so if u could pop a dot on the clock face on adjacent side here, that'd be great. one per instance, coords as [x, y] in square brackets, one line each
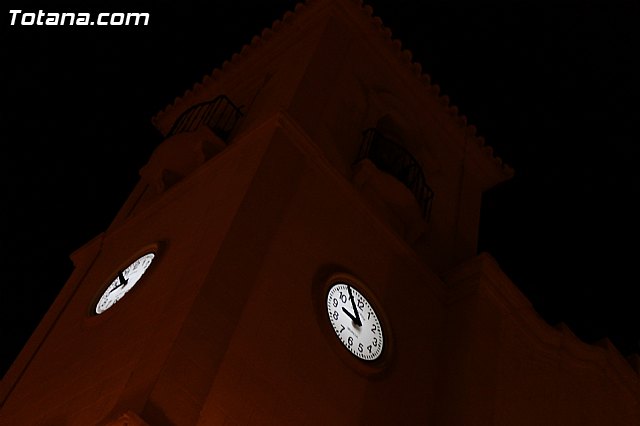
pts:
[355, 321]
[123, 282]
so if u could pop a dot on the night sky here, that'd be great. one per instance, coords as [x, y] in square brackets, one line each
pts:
[553, 89]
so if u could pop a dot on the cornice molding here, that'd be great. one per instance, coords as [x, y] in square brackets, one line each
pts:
[482, 276]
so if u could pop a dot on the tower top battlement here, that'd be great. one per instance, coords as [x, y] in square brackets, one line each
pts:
[296, 21]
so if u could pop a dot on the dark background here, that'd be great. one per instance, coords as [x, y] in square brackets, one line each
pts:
[553, 88]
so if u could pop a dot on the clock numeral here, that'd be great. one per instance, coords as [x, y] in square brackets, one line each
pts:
[360, 304]
[335, 302]
[369, 315]
[342, 329]
[375, 341]
[343, 297]
[360, 347]
[350, 341]
[374, 328]
[369, 347]
[335, 315]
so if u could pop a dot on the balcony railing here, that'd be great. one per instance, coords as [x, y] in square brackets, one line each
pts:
[395, 160]
[219, 114]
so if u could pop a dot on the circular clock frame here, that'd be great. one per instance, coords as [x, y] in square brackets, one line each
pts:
[122, 290]
[355, 321]
[322, 287]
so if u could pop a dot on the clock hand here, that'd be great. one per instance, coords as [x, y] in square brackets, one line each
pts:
[123, 281]
[353, 303]
[350, 315]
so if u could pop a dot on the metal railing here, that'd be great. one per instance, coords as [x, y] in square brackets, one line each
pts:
[220, 115]
[395, 160]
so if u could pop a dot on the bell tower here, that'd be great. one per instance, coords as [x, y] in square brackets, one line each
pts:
[310, 209]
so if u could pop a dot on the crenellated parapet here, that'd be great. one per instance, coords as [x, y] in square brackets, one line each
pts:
[404, 57]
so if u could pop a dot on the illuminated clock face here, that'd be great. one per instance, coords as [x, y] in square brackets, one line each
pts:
[355, 322]
[123, 282]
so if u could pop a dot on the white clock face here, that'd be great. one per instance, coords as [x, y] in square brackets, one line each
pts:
[354, 321]
[123, 282]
